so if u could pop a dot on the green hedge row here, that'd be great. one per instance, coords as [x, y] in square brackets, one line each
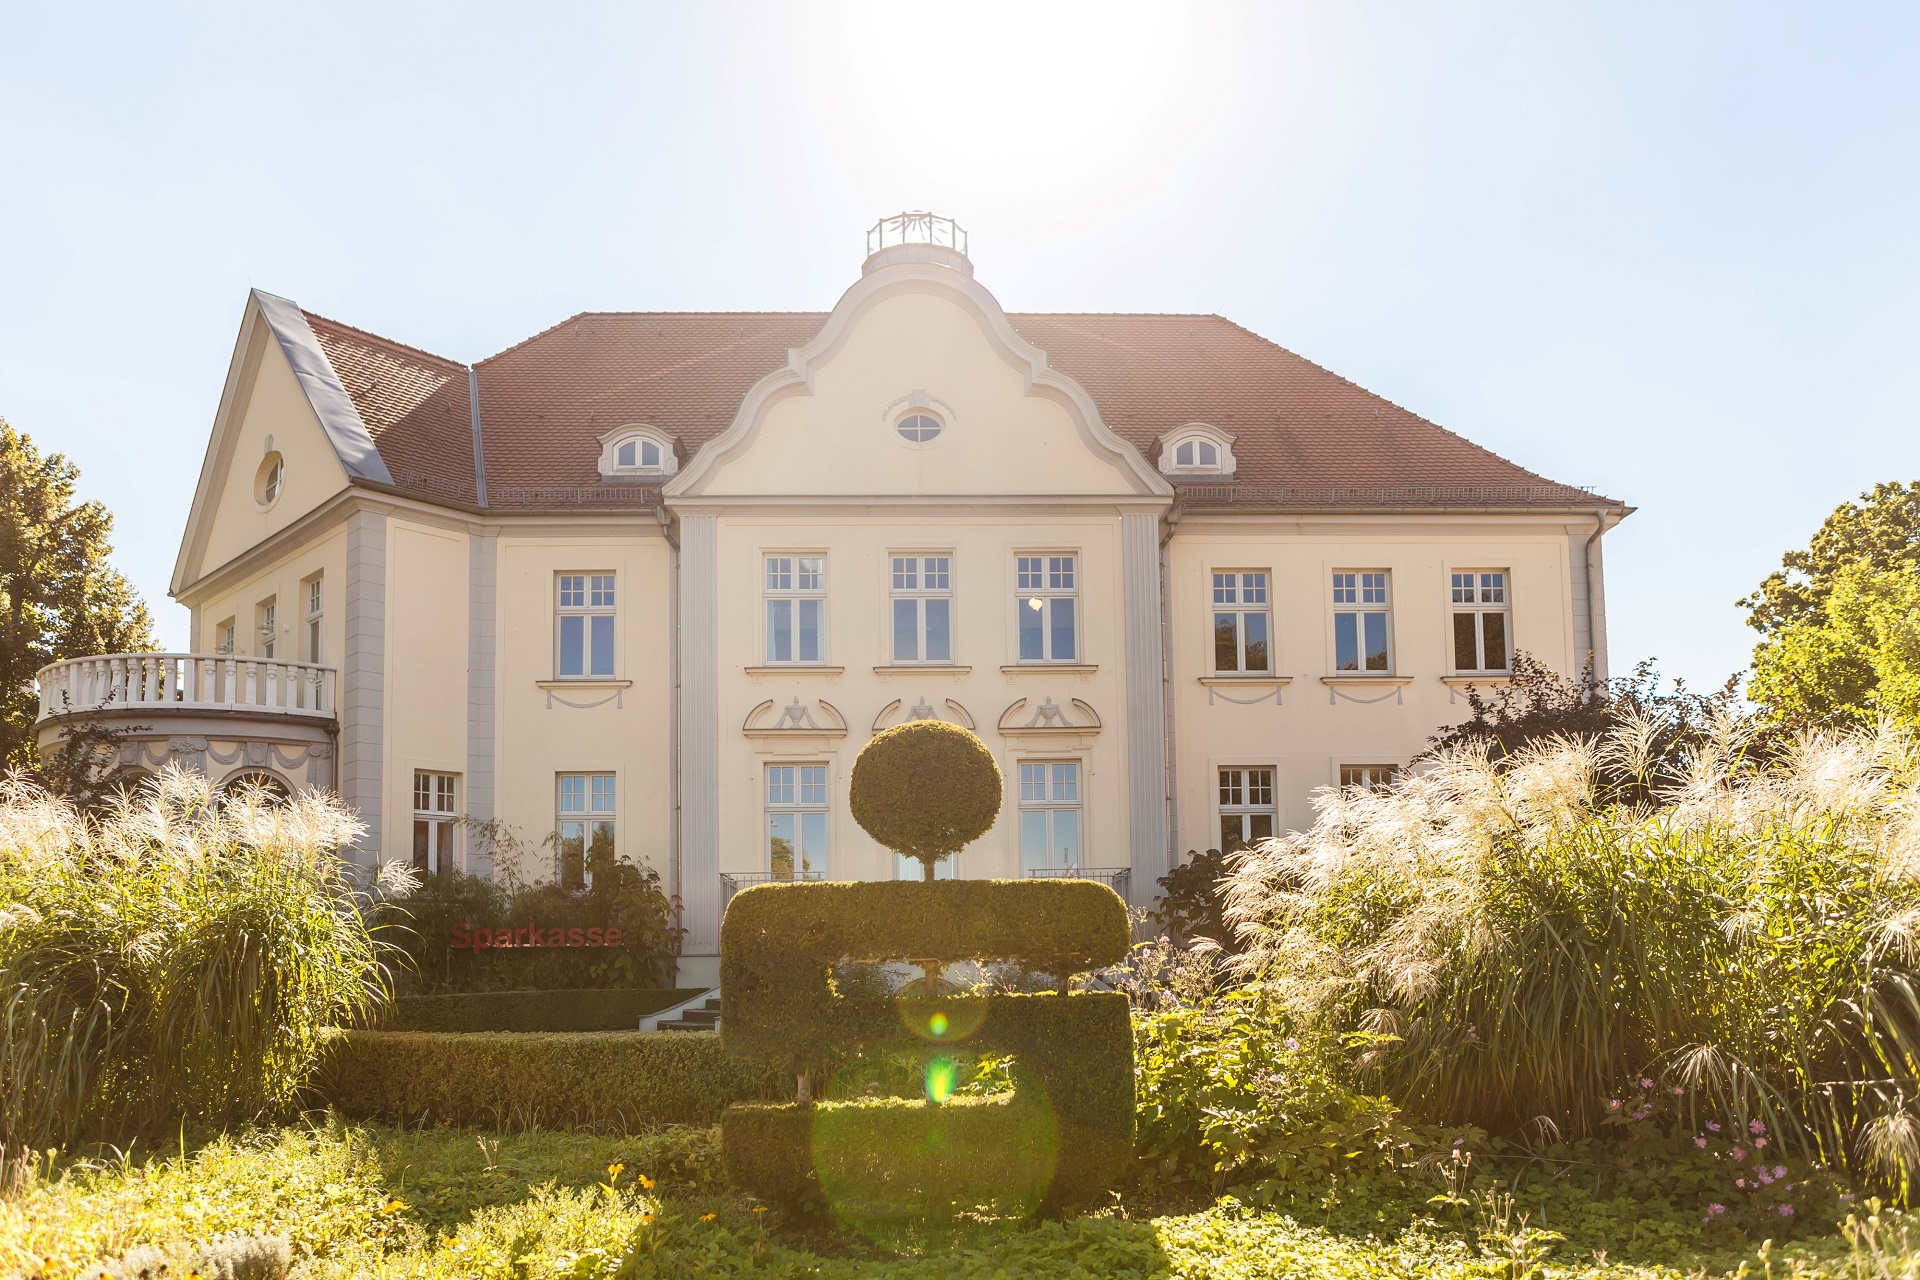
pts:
[603, 1079]
[583, 1009]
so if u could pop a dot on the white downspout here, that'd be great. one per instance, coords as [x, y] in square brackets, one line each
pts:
[1166, 688]
[1593, 595]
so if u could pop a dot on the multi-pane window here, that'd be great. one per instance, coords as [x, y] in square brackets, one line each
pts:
[797, 821]
[1049, 816]
[1480, 637]
[225, 636]
[1360, 631]
[583, 624]
[316, 607]
[1241, 624]
[1047, 603]
[1196, 453]
[1374, 777]
[435, 810]
[796, 608]
[905, 868]
[585, 827]
[637, 453]
[1246, 807]
[922, 589]
[267, 623]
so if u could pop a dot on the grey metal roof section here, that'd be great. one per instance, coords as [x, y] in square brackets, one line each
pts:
[331, 404]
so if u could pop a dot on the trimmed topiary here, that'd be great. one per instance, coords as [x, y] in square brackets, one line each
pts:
[926, 789]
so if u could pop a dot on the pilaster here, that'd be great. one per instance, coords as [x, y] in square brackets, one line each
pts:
[482, 650]
[1146, 703]
[700, 734]
[363, 676]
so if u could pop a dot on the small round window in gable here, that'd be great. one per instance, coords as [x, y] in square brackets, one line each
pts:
[918, 427]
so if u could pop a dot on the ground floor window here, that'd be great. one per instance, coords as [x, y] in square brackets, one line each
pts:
[436, 807]
[1374, 777]
[1049, 816]
[905, 868]
[797, 821]
[1246, 807]
[585, 830]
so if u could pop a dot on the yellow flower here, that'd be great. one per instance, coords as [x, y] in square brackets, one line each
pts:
[708, 1217]
[646, 1183]
[394, 1205]
[613, 1170]
[759, 1208]
[646, 1219]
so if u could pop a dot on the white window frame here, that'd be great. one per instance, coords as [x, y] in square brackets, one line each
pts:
[642, 439]
[592, 805]
[226, 636]
[1041, 793]
[1241, 594]
[799, 793]
[794, 579]
[1244, 794]
[1474, 596]
[314, 595]
[922, 580]
[436, 822]
[589, 595]
[1362, 594]
[1042, 581]
[1371, 777]
[266, 626]
[1190, 437]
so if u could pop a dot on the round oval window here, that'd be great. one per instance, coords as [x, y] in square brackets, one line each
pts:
[918, 427]
[266, 481]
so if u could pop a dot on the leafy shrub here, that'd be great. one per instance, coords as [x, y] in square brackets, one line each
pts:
[589, 1009]
[623, 896]
[175, 960]
[1192, 901]
[1525, 951]
[619, 1080]
[926, 789]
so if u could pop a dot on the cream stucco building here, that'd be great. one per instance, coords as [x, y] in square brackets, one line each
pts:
[653, 579]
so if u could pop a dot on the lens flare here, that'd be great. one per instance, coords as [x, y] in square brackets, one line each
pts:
[941, 1076]
[937, 1024]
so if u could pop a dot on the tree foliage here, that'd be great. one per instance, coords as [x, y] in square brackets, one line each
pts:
[926, 789]
[1539, 705]
[59, 598]
[1881, 531]
[1854, 661]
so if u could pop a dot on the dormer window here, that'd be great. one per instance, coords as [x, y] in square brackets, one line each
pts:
[636, 450]
[1198, 448]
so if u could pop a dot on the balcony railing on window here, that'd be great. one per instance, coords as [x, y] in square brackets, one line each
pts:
[732, 882]
[1119, 879]
[917, 227]
[185, 682]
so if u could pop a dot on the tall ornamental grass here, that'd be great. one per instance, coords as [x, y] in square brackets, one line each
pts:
[173, 960]
[1750, 938]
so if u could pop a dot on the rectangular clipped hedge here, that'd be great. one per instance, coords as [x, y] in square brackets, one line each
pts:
[624, 1080]
[585, 1009]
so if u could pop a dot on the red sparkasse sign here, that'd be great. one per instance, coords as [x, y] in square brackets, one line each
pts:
[471, 937]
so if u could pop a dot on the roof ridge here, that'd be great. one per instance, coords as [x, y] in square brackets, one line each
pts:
[380, 337]
[1418, 417]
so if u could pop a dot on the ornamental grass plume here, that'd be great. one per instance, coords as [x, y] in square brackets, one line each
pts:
[177, 958]
[1751, 936]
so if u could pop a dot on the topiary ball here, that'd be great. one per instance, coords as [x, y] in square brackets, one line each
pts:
[926, 789]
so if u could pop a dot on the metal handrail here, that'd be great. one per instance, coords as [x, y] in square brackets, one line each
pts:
[732, 882]
[917, 227]
[1119, 879]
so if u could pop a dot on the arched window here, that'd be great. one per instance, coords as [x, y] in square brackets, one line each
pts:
[271, 787]
[1198, 448]
[637, 450]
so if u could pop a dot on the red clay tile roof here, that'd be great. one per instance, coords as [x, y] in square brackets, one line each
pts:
[1304, 437]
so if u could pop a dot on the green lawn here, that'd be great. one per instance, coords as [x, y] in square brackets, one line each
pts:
[450, 1202]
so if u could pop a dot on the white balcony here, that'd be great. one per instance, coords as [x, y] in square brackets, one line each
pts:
[186, 682]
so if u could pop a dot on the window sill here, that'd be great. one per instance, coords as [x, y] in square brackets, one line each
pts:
[1490, 677]
[1364, 682]
[584, 682]
[795, 669]
[921, 669]
[1069, 668]
[1248, 680]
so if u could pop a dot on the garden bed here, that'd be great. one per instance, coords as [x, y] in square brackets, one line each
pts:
[580, 1009]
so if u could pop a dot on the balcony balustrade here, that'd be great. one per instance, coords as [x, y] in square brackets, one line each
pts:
[156, 682]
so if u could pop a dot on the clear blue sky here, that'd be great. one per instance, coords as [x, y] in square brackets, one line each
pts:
[1666, 250]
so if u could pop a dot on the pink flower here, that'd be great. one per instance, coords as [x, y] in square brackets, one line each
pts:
[1645, 1083]
[1715, 1210]
[1738, 1153]
[1779, 1171]
[1700, 1142]
[1759, 1143]
[1679, 1092]
[1764, 1177]
[1740, 1182]
[1754, 1126]
[1713, 1126]
[1613, 1105]
[1786, 1211]
[1293, 1046]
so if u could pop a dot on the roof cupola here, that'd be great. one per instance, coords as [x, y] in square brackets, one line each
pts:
[917, 237]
